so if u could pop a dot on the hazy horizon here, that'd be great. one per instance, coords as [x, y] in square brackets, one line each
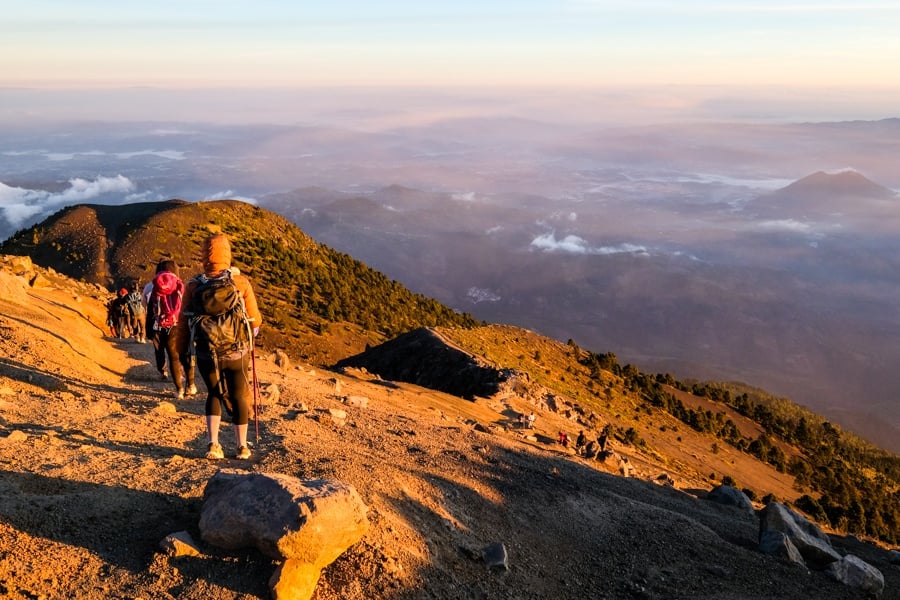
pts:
[376, 108]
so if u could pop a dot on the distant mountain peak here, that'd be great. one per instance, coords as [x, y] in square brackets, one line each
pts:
[845, 183]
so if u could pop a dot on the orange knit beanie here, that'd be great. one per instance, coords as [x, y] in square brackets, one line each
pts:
[216, 253]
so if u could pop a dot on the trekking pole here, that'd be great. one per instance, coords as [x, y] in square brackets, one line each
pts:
[255, 390]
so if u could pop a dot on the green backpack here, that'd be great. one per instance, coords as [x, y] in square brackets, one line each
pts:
[218, 321]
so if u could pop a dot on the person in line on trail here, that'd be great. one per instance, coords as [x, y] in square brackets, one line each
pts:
[531, 420]
[111, 317]
[164, 297]
[563, 439]
[590, 451]
[580, 441]
[137, 314]
[604, 436]
[120, 314]
[220, 319]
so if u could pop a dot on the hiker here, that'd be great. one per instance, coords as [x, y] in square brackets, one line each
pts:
[119, 313]
[225, 369]
[164, 296]
[137, 314]
[590, 451]
[111, 317]
[604, 435]
[580, 441]
[531, 420]
[563, 439]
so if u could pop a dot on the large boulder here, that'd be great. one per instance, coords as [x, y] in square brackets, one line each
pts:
[731, 496]
[857, 573]
[12, 288]
[307, 524]
[813, 544]
[282, 516]
[776, 543]
[17, 265]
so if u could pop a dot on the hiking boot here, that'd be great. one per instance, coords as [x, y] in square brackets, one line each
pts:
[215, 452]
[243, 453]
[163, 376]
[179, 394]
[192, 390]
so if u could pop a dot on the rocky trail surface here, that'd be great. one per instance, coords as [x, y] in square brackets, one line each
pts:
[99, 463]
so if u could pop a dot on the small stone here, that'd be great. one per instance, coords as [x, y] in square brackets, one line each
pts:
[495, 556]
[357, 401]
[180, 544]
[166, 408]
[15, 437]
[282, 360]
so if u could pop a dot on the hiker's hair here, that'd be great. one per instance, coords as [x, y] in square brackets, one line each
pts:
[167, 265]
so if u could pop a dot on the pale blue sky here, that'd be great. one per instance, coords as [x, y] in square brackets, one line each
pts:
[263, 43]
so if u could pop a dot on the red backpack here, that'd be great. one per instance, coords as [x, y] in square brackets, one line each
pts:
[165, 300]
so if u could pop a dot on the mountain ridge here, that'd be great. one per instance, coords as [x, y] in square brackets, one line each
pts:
[313, 312]
[848, 182]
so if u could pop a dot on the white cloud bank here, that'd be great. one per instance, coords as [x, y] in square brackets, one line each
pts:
[64, 156]
[573, 244]
[786, 225]
[477, 295]
[20, 204]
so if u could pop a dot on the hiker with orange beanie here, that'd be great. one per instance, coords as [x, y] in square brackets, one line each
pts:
[225, 370]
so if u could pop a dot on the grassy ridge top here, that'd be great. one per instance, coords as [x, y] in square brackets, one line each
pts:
[317, 303]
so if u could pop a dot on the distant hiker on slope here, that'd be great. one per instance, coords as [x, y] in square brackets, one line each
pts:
[604, 436]
[119, 313]
[137, 313]
[111, 317]
[580, 441]
[164, 297]
[219, 320]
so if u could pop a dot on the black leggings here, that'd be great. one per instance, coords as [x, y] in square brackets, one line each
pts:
[236, 394]
[164, 349]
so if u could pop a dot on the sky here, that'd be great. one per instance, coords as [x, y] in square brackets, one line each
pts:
[282, 43]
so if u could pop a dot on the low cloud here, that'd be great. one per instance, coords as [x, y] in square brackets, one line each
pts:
[169, 154]
[64, 156]
[786, 225]
[464, 196]
[20, 204]
[573, 244]
[84, 189]
[477, 295]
